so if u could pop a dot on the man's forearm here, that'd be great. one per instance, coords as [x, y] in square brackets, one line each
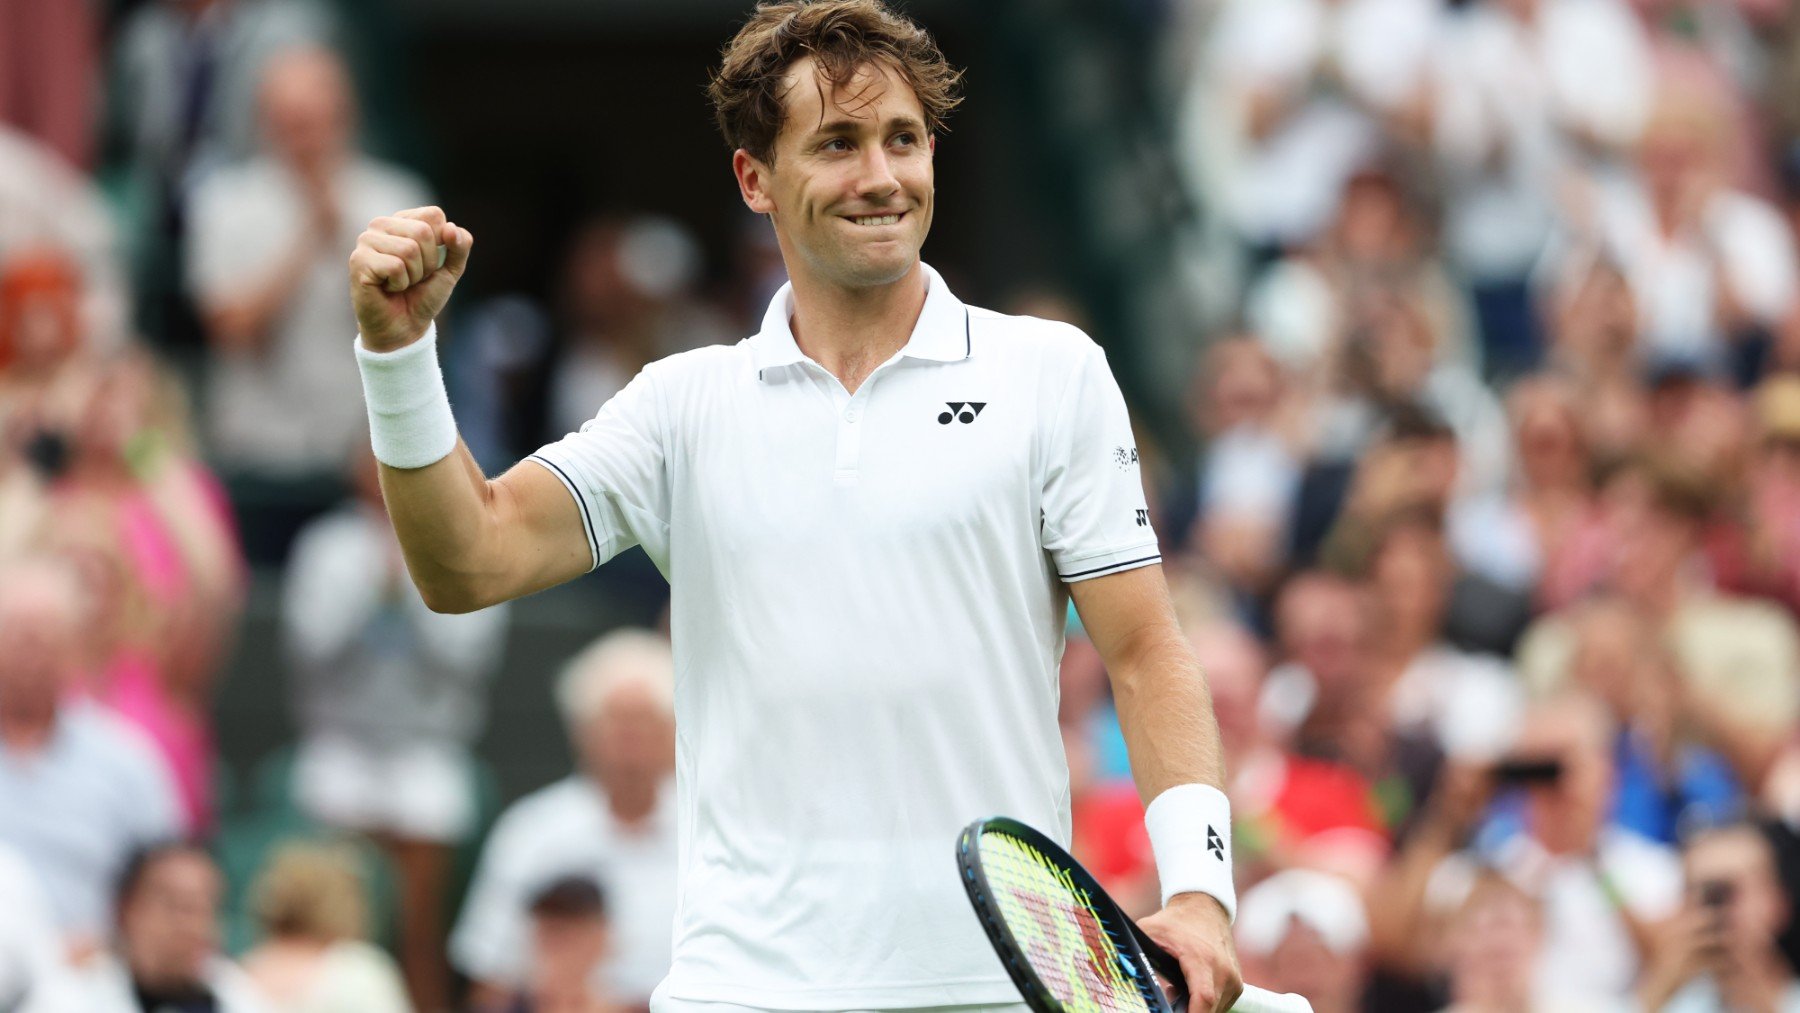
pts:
[441, 513]
[1165, 711]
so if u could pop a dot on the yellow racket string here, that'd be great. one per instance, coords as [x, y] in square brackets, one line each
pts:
[1055, 923]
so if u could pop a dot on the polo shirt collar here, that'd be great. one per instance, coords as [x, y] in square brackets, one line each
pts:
[941, 334]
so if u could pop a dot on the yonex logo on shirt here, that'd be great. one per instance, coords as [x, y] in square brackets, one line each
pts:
[961, 411]
[1143, 518]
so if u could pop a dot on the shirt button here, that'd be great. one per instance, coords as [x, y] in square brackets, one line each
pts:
[852, 415]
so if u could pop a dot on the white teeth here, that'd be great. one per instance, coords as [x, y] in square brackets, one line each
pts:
[877, 220]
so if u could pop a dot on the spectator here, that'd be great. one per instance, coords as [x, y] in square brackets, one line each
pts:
[1493, 939]
[613, 820]
[1524, 89]
[1714, 269]
[314, 958]
[1739, 660]
[168, 935]
[1721, 951]
[569, 942]
[628, 298]
[1304, 932]
[1603, 888]
[81, 790]
[47, 205]
[388, 693]
[182, 103]
[283, 414]
[155, 539]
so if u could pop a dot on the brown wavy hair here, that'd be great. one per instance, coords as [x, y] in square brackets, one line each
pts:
[843, 36]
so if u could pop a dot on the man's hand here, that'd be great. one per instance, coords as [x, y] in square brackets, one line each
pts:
[396, 285]
[1196, 932]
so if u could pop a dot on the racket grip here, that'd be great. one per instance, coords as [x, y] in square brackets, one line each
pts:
[1258, 1000]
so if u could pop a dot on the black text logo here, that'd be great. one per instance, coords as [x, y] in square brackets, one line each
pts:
[1143, 518]
[961, 411]
[1214, 844]
[1125, 457]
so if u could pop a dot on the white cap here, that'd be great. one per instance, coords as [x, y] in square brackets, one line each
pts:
[1327, 904]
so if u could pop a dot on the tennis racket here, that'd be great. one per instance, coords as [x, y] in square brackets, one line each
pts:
[1066, 944]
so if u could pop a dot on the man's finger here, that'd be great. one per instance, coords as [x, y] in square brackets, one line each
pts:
[420, 232]
[377, 270]
[460, 242]
[407, 250]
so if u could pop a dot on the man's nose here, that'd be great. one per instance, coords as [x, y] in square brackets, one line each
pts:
[878, 179]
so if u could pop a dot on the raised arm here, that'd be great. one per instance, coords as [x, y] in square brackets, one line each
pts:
[469, 541]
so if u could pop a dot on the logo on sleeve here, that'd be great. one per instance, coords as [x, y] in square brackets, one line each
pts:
[1213, 844]
[1125, 457]
[961, 411]
[1143, 518]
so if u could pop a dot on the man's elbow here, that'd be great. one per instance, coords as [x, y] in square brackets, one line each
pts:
[452, 597]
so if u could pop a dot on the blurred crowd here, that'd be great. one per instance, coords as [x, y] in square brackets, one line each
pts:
[1491, 551]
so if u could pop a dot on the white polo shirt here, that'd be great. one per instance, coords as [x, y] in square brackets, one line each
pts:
[868, 615]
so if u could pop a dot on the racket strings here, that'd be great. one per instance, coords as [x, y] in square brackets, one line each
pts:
[1054, 921]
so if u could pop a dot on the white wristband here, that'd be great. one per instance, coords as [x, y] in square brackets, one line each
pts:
[410, 425]
[1190, 835]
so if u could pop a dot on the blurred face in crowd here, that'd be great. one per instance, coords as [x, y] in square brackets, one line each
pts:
[1494, 940]
[1243, 385]
[566, 947]
[1736, 867]
[40, 614]
[1654, 542]
[40, 320]
[169, 923]
[1305, 964]
[1547, 434]
[307, 110]
[1411, 579]
[1372, 225]
[628, 745]
[1576, 732]
[850, 185]
[1596, 321]
[1677, 151]
[1611, 653]
[1234, 666]
[1321, 624]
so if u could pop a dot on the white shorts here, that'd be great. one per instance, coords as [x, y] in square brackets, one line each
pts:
[417, 791]
[663, 1003]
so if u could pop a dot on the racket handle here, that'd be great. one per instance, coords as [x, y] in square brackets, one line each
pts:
[1257, 1000]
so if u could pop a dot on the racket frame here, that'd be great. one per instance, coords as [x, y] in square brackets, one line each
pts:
[1147, 958]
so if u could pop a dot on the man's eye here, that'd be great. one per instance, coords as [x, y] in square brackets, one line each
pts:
[835, 144]
[906, 139]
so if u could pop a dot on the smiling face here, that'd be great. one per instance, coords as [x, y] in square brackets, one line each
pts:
[849, 181]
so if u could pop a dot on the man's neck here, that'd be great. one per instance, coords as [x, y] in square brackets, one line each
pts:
[852, 331]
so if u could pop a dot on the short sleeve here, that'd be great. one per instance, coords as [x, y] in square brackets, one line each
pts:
[614, 467]
[1095, 518]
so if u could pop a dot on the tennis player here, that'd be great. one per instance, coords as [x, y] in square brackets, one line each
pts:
[872, 514]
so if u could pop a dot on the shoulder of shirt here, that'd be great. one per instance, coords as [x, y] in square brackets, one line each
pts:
[376, 173]
[103, 733]
[1049, 340]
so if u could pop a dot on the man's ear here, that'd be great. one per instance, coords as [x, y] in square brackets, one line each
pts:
[753, 181]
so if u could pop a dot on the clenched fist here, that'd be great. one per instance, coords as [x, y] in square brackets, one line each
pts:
[401, 274]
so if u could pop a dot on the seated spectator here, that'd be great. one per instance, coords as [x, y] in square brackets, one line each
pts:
[569, 942]
[315, 956]
[1721, 951]
[1250, 471]
[153, 534]
[283, 413]
[1739, 659]
[80, 789]
[388, 692]
[613, 820]
[168, 937]
[1714, 269]
[1305, 932]
[1491, 943]
[1760, 553]
[1603, 888]
[46, 204]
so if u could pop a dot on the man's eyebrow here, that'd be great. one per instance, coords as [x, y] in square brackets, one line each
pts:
[845, 125]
